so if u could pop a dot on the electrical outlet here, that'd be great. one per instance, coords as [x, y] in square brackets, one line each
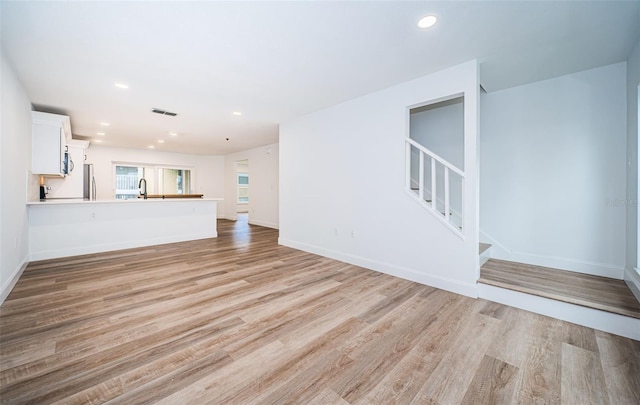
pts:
[353, 233]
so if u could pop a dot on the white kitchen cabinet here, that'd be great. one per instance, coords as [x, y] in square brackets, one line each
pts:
[50, 135]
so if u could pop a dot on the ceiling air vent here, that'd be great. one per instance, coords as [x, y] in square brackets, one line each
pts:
[163, 112]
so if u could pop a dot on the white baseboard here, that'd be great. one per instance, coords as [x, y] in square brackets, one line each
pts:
[11, 282]
[593, 318]
[501, 252]
[109, 247]
[632, 278]
[455, 286]
[264, 223]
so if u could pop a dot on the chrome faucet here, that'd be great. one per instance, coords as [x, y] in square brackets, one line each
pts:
[143, 187]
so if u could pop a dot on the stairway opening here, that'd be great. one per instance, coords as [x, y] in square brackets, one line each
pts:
[242, 187]
[435, 158]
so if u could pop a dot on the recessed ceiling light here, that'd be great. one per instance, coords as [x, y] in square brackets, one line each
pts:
[105, 124]
[427, 21]
[100, 133]
[173, 133]
[160, 140]
[97, 140]
[151, 147]
[237, 113]
[121, 85]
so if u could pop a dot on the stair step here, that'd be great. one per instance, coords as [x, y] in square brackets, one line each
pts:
[602, 293]
[483, 247]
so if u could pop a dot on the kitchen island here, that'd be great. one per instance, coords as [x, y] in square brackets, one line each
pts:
[62, 228]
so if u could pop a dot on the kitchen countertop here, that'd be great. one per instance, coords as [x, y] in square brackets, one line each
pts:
[166, 196]
[61, 228]
[130, 201]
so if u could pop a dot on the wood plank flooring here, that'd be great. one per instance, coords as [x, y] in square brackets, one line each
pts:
[602, 293]
[241, 320]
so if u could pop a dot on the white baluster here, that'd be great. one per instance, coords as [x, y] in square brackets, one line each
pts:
[433, 184]
[408, 168]
[447, 213]
[461, 204]
[421, 177]
[423, 190]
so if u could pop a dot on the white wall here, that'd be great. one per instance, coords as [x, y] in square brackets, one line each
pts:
[207, 171]
[553, 171]
[342, 179]
[263, 165]
[632, 275]
[15, 150]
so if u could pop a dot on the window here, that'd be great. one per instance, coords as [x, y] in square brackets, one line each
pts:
[160, 180]
[174, 181]
[243, 188]
[127, 180]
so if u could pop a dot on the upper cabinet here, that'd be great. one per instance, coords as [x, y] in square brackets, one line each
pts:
[51, 133]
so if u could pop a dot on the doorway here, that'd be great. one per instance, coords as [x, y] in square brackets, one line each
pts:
[242, 188]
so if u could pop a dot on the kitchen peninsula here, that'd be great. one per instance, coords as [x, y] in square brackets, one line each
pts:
[61, 228]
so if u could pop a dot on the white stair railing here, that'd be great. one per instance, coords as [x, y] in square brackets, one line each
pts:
[425, 170]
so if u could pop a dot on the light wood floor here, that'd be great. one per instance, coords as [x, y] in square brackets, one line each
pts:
[241, 320]
[582, 289]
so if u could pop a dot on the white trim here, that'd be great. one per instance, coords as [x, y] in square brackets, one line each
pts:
[13, 279]
[593, 318]
[456, 213]
[266, 224]
[459, 233]
[488, 239]
[455, 286]
[484, 257]
[108, 247]
[632, 278]
[501, 252]
[435, 157]
[637, 159]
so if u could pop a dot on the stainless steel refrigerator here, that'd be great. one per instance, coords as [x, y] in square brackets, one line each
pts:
[89, 183]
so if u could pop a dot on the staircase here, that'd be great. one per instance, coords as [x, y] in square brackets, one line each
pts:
[596, 302]
[584, 299]
[436, 184]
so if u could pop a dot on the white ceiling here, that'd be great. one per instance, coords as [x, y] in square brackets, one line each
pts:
[274, 61]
